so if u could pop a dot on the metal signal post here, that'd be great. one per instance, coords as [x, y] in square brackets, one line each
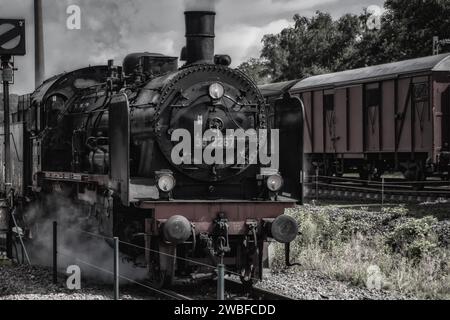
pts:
[12, 43]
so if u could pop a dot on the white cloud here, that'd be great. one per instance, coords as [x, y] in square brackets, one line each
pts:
[113, 28]
[249, 39]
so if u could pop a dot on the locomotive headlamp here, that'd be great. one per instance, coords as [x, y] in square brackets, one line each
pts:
[275, 182]
[166, 182]
[216, 91]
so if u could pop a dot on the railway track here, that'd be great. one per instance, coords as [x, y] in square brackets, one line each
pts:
[394, 190]
[234, 291]
[253, 293]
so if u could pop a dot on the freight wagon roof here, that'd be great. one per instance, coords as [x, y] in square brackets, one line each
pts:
[384, 71]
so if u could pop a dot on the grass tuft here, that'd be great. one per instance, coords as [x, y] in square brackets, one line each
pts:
[388, 250]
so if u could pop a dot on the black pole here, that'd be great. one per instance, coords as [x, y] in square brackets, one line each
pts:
[6, 78]
[116, 269]
[39, 43]
[287, 256]
[55, 252]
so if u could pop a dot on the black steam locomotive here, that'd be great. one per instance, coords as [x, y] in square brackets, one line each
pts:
[103, 136]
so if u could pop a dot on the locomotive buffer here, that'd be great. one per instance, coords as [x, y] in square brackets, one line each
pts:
[12, 43]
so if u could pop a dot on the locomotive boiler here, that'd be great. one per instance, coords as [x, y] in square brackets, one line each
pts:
[131, 146]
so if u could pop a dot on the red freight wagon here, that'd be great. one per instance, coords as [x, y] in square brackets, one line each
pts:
[393, 116]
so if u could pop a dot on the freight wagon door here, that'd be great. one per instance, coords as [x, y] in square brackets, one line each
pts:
[289, 116]
[445, 105]
[421, 115]
[372, 116]
[329, 114]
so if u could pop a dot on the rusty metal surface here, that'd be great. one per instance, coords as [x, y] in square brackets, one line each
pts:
[318, 123]
[372, 123]
[203, 213]
[441, 116]
[376, 73]
[355, 128]
[341, 112]
[403, 132]
[388, 116]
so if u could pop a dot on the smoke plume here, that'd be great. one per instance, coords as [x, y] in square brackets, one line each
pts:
[73, 245]
[200, 5]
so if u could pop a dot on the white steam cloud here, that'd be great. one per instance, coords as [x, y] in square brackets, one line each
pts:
[206, 5]
[73, 245]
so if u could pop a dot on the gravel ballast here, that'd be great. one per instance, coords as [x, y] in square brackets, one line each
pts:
[35, 283]
[311, 285]
[25, 283]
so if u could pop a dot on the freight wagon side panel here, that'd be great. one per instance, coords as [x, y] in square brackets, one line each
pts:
[441, 112]
[388, 116]
[404, 139]
[318, 122]
[308, 129]
[355, 125]
[372, 115]
[341, 120]
[330, 118]
[421, 116]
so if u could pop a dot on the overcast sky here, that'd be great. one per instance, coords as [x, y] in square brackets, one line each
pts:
[112, 28]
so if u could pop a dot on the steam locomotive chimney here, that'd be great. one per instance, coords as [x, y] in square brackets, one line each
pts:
[200, 37]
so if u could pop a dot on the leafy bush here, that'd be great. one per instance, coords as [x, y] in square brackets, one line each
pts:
[414, 237]
[344, 244]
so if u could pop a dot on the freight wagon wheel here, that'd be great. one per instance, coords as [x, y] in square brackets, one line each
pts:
[364, 174]
[370, 173]
[415, 174]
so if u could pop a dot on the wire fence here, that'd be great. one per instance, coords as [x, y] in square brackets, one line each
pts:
[219, 268]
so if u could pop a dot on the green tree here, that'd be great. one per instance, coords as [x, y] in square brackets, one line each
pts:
[319, 44]
[256, 69]
[312, 46]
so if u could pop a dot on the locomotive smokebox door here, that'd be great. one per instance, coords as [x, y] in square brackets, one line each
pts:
[119, 144]
[289, 115]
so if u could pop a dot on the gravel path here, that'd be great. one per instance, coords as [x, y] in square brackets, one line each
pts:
[310, 285]
[34, 283]
[24, 283]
